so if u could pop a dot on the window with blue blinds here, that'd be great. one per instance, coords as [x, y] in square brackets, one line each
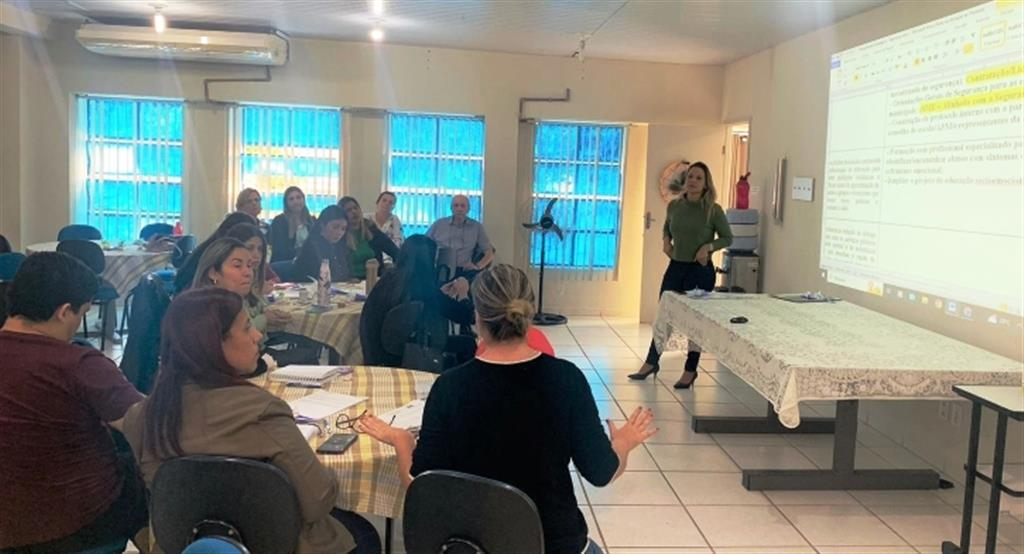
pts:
[430, 159]
[130, 163]
[281, 146]
[581, 165]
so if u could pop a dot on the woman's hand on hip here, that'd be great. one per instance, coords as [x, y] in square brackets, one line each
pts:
[703, 254]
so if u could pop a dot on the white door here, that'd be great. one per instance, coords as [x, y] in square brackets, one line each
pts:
[667, 144]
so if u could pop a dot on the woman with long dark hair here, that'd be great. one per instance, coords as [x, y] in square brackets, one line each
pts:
[364, 240]
[202, 405]
[290, 229]
[691, 223]
[326, 242]
[414, 279]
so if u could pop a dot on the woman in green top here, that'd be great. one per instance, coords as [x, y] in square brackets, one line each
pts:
[364, 240]
[691, 223]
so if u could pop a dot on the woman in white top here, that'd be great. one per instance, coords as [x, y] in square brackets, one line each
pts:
[386, 220]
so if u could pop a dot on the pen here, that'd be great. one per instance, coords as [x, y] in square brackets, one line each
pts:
[392, 419]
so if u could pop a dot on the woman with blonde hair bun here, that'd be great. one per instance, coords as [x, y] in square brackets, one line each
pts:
[480, 417]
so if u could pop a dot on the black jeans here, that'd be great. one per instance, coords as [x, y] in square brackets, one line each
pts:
[364, 533]
[681, 277]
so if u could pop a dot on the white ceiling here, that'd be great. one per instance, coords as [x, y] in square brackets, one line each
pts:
[675, 31]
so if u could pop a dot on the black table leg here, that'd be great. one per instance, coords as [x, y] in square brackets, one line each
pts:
[389, 531]
[997, 482]
[843, 475]
[971, 479]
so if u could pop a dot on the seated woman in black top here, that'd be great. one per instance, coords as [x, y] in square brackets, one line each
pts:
[291, 228]
[187, 273]
[326, 242]
[414, 280]
[518, 416]
[364, 240]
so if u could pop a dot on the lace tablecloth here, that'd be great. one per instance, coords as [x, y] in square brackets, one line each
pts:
[792, 352]
[367, 472]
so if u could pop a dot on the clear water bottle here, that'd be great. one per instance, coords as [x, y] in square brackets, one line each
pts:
[323, 285]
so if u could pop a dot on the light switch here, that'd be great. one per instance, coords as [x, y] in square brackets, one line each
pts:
[803, 189]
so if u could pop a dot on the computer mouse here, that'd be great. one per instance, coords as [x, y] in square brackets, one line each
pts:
[738, 319]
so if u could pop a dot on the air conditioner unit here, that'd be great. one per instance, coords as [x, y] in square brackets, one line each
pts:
[184, 44]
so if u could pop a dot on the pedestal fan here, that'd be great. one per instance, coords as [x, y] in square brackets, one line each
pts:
[546, 225]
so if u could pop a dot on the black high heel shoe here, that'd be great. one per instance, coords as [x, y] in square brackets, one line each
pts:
[642, 375]
[680, 384]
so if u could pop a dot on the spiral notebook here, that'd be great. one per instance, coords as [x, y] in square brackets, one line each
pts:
[314, 375]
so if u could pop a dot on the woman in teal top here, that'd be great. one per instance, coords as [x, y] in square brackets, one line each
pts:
[691, 224]
[364, 240]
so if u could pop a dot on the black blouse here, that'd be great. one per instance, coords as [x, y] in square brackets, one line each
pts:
[521, 424]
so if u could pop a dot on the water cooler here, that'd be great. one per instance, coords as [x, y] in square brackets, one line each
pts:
[740, 262]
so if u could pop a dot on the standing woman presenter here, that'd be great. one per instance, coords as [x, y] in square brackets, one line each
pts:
[691, 224]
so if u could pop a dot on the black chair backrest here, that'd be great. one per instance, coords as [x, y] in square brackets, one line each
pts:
[141, 357]
[149, 231]
[9, 264]
[453, 508]
[183, 248]
[285, 270]
[399, 324]
[79, 232]
[250, 496]
[88, 252]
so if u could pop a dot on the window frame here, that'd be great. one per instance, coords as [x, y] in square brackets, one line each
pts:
[236, 149]
[80, 143]
[544, 198]
[436, 192]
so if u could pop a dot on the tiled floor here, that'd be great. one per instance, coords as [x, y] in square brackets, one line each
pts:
[682, 491]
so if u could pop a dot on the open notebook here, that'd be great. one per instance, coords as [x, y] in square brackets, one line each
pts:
[320, 405]
[307, 374]
[408, 417]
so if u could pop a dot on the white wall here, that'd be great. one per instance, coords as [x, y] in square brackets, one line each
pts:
[340, 74]
[784, 92]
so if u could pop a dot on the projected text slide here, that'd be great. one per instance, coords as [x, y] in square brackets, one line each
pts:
[923, 176]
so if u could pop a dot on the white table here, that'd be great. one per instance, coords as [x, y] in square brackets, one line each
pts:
[124, 266]
[790, 353]
[1006, 402]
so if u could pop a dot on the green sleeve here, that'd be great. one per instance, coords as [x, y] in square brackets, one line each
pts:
[722, 229]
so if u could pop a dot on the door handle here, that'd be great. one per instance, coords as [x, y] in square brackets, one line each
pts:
[648, 220]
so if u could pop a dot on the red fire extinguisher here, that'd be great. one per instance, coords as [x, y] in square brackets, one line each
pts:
[743, 193]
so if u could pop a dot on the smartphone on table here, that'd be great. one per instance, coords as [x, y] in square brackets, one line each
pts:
[337, 443]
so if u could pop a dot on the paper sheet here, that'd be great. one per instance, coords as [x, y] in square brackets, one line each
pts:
[319, 405]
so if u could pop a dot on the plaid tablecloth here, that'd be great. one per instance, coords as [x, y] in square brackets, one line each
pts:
[124, 267]
[368, 471]
[337, 328]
